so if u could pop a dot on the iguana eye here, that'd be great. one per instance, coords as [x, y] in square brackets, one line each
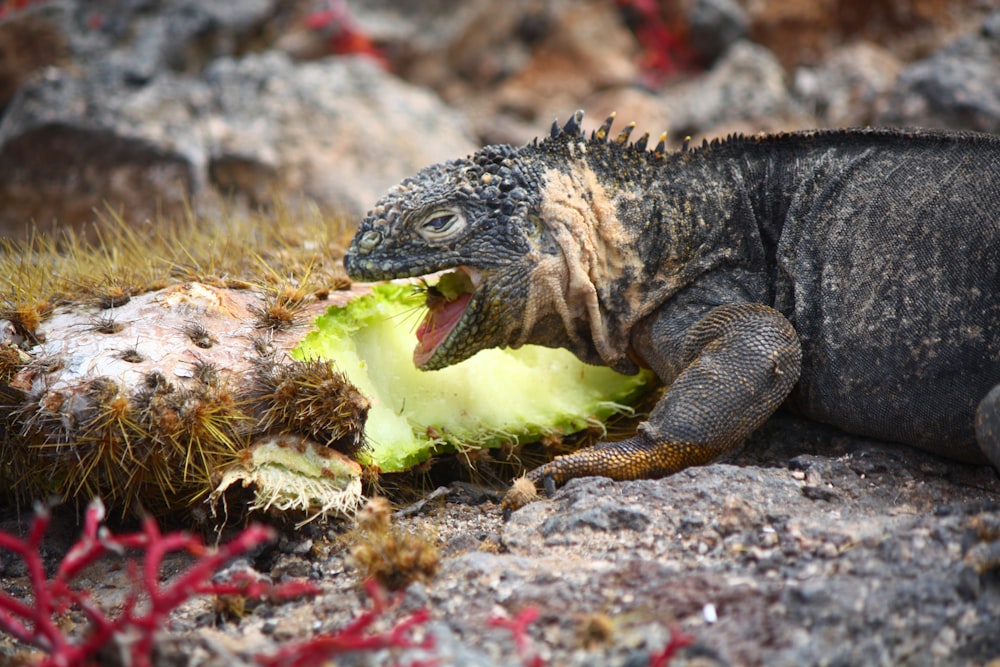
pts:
[441, 225]
[369, 240]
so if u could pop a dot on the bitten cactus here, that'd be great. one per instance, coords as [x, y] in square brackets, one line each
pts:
[153, 370]
[153, 401]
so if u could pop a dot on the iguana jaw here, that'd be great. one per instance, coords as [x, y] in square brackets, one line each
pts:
[448, 301]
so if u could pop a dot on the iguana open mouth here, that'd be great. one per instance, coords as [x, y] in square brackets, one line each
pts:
[446, 303]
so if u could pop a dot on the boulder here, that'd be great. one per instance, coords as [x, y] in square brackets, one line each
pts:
[511, 66]
[715, 25]
[844, 89]
[955, 87]
[339, 131]
[29, 42]
[70, 146]
[804, 33]
[748, 83]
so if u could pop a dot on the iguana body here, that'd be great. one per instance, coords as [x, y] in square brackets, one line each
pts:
[852, 275]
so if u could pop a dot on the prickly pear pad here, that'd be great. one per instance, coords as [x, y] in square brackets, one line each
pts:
[496, 397]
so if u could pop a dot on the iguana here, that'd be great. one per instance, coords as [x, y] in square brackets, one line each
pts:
[850, 275]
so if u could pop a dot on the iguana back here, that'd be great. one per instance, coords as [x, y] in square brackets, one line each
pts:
[883, 250]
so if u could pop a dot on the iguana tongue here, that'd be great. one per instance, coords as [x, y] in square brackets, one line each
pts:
[441, 319]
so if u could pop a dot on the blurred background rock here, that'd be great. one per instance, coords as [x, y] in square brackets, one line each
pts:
[152, 108]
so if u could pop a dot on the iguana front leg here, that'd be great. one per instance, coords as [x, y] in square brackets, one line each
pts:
[739, 362]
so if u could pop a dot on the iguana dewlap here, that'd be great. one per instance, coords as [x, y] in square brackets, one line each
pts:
[852, 275]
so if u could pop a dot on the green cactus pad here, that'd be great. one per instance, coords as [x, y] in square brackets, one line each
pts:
[492, 399]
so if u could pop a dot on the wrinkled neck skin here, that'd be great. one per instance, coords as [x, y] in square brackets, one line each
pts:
[612, 252]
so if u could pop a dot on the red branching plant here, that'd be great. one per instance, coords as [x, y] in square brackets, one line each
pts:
[678, 640]
[148, 604]
[518, 627]
[357, 636]
[665, 50]
[343, 35]
[10, 7]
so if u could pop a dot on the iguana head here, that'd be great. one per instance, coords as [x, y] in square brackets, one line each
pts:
[487, 219]
[474, 217]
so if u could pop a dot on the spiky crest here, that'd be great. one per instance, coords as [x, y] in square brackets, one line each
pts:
[640, 144]
[573, 131]
[623, 136]
[661, 146]
[602, 131]
[574, 126]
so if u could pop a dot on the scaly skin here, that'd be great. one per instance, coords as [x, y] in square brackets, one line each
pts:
[849, 275]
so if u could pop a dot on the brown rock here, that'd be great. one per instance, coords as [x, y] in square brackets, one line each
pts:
[29, 41]
[803, 32]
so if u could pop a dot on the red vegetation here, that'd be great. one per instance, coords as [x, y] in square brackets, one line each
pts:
[357, 636]
[10, 6]
[665, 49]
[678, 640]
[518, 627]
[342, 34]
[148, 603]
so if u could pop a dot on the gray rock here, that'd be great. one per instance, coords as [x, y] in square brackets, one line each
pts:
[747, 83]
[512, 66]
[30, 40]
[715, 25]
[843, 552]
[844, 89]
[956, 87]
[608, 517]
[339, 131]
[135, 41]
[991, 26]
[70, 147]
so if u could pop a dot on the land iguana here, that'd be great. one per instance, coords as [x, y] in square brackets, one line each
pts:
[850, 275]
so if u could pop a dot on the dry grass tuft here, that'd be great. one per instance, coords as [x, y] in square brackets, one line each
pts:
[287, 255]
[389, 554]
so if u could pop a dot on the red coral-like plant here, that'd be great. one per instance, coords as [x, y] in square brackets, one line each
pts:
[678, 640]
[665, 49]
[357, 636]
[518, 627]
[148, 603]
[342, 33]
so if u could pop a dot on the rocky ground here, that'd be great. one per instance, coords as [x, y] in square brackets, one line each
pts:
[809, 547]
